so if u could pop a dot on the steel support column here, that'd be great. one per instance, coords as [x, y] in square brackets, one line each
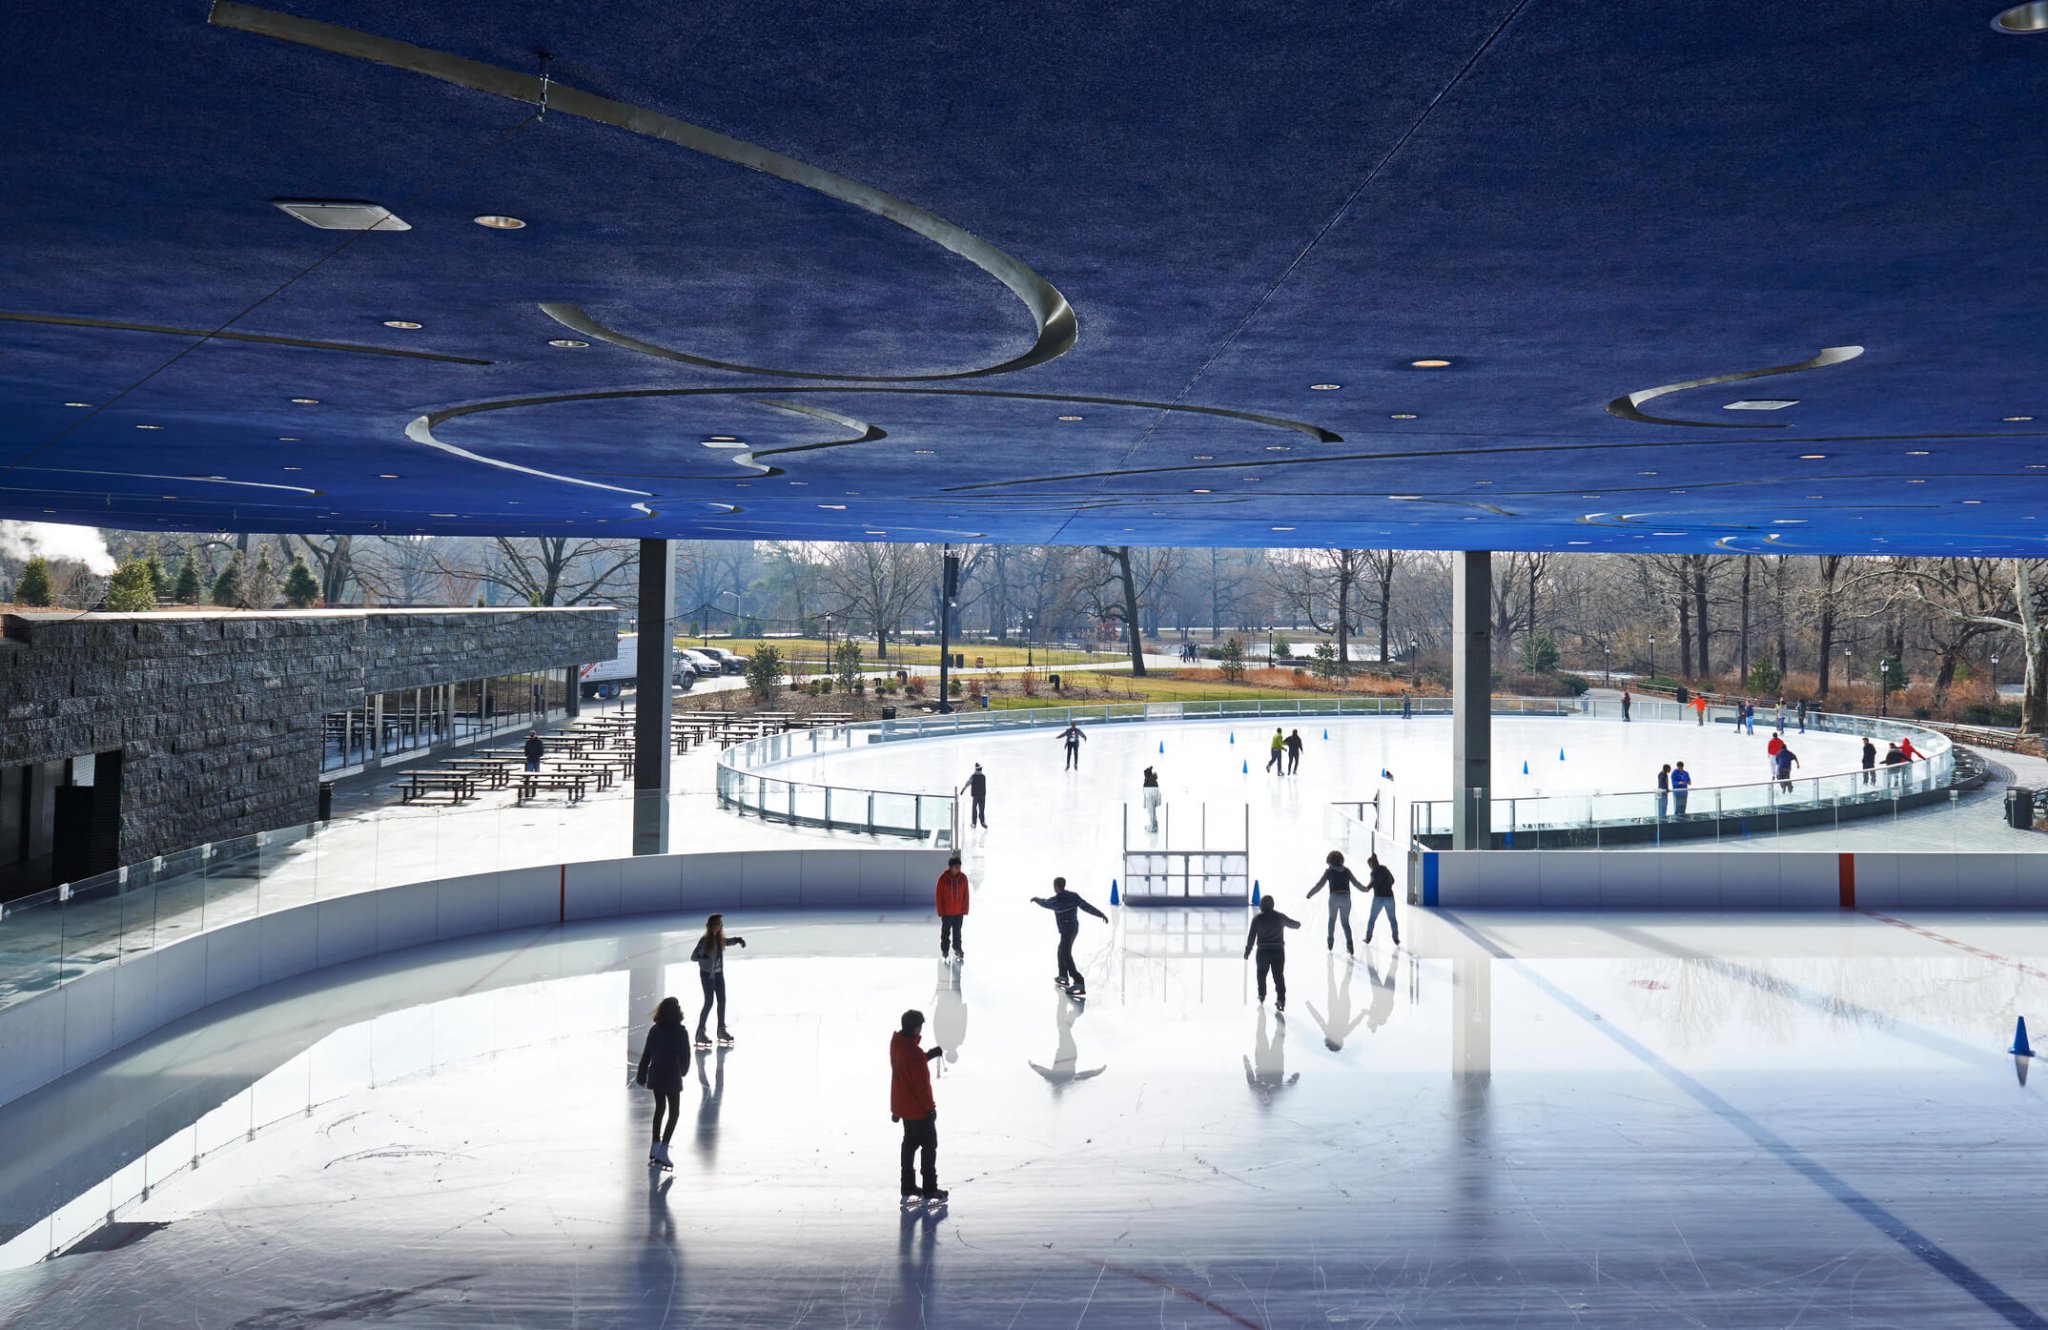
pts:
[1471, 700]
[653, 671]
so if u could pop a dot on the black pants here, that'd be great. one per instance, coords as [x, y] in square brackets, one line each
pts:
[1273, 762]
[979, 817]
[1073, 755]
[1272, 960]
[1869, 776]
[949, 934]
[714, 988]
[669, 1102]
[1293, 760]
[1070, 973]
[921, 1134]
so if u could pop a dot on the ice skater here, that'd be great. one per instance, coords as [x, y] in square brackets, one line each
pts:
[1699, 709]
[1382, 883]
[1073, 738]
[1787, 759]
[1869, 761]
[1681, 787]
[1663, 791]
[662, 1060]
[950, 901]
[1294, 752]
[1771, 752]
[1625, 700]
[1408, 706]
[1151, 796]
[1066, 906]
[1749, 717]
[1340, 881]
[910, 1103]
[709, 953]
[1276, 752]
[1894, 766]
[1802, 715]
[1268, 934]
[977, 795]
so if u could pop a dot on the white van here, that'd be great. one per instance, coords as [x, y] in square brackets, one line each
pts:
[605, 678]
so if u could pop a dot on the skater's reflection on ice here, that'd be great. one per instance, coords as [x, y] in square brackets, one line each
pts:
[916, 1245]
[711, 1094]
[1339, 1024]
[1382, 993]
[949, 1015]
[1064, 1069]
[1266, 1070]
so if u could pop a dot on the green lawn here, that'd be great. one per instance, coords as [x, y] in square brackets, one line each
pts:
[1151, 688]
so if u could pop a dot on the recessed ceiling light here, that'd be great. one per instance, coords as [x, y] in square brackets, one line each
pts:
[722, 438]
[305, 401]
[1278, 448]
[291, 468]
[342, 214]
[406, 324]
[567, 343]
[1402, 415]
[1788, 521]
[1479, 482]
[1283, 528]
[1201, 491]
[287, 438]
[78, 404]
[1761, 404]
[1325, 387]
[835, 507]
[452, 515]
[924, 452]
[1205, 457]
[1429, 364]
[1589, 496]
[1813, 457]
[386, 475]
[499, 222]
[2014, 420]
[1070, 417]
[149, 427]
[799, 483]
[1916, 482]
[721, 443]
[1646, 473]
[2023, 19]
[1816, 496]
[1917, 452]
[877, 533]
[1973, 500]
[1667, 533]
[1403, 498]
[2037, 466]
[1578, 542]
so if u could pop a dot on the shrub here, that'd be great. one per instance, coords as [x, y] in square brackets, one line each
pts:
[1325, 663]
[1231, 654]
[1763, 676]
[185, 590]
[301, 588]
[1539, 654]
[846, 661]
[227, 588]
[34, 587]
[130, 589]
[1575, 682]
[1281, 646]
[764, 673]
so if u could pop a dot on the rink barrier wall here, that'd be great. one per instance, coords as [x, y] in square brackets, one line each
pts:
[66, 1027]
[1733, 880]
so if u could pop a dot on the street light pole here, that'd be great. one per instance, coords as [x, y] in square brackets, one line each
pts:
[1653, 655]
[1414, 649]
[1884, 683]
[1608, 653]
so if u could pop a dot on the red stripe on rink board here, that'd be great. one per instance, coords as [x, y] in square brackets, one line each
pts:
[1958, 944]
[1847, 873]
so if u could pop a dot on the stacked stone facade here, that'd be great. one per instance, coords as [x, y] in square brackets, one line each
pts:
[218, 715]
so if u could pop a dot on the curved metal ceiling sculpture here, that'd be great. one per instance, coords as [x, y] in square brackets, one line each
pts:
[1628, 405]
[1057, 327]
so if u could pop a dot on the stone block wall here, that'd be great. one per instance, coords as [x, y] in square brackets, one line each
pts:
[217, 715]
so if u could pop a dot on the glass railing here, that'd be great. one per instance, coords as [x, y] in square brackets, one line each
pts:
[1737, 812]
[54, 936]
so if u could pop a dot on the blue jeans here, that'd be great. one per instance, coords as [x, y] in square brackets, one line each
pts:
[1385, 903]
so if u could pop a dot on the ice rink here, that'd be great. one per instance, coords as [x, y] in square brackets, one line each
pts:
[1509, 1121]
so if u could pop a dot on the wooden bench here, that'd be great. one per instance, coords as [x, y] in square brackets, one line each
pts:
[530, 783]
[494, 772]
[458, 785]
[600, 774]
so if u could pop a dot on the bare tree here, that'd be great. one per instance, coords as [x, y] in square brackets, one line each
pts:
[556, 570]
[878, 583]
[333, 561]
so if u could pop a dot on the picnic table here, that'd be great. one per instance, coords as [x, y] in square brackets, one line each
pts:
[495, 772]
[458, 785]
[574, 783]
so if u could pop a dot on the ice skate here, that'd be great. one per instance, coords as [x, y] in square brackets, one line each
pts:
[661, 1157]
[725, 1039]
[936, 1196]
[702, 1040]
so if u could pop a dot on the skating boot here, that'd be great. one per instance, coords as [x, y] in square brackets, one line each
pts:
[725, 1038]
[703, 1041]
[936, 1196]
[661, 1151]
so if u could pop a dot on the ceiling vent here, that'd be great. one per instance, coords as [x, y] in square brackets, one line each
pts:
[343, 214]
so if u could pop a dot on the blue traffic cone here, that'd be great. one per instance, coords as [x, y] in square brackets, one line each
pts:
[1326, 734]
[1245, 766]
[1560, 754]
[1233, 736]
[1162, 745]
[1255, 891]
[1112, 891]
[2020, 1047]
[1386, 774]
[1525, 766]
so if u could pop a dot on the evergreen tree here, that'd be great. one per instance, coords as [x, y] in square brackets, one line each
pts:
[131, 588]
[186, 591]
[159, 580]
[262, 583]
[227, 588]
[35, 583]
[301, 588]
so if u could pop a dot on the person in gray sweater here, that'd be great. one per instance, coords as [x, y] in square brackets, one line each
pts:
[1268, 935]
[1066, 907]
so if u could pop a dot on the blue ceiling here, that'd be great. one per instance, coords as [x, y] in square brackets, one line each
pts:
[1569, 203]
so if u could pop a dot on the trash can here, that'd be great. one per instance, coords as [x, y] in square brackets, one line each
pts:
[1680, 696]
[326, 801]
[888, 713]
[984, 701]
[2019, 808]
[1055, 682]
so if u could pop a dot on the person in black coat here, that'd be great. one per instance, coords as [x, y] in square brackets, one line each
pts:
[533, 750]
[662, 1060]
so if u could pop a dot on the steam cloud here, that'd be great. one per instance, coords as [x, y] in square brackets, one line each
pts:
[20, 541]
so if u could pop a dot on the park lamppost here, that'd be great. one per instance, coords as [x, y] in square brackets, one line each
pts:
[1607, 652]
[735, 617]
[1414, 649]
[1884, 682]
[1653, 655]
[1994, 678]
[828, 645]
[1030, 622]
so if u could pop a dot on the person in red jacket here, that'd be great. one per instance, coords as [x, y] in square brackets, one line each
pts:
[910, 1102]
[952, 907]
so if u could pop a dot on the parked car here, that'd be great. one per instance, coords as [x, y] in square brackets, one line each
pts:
[733, 661]
[703, 662]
